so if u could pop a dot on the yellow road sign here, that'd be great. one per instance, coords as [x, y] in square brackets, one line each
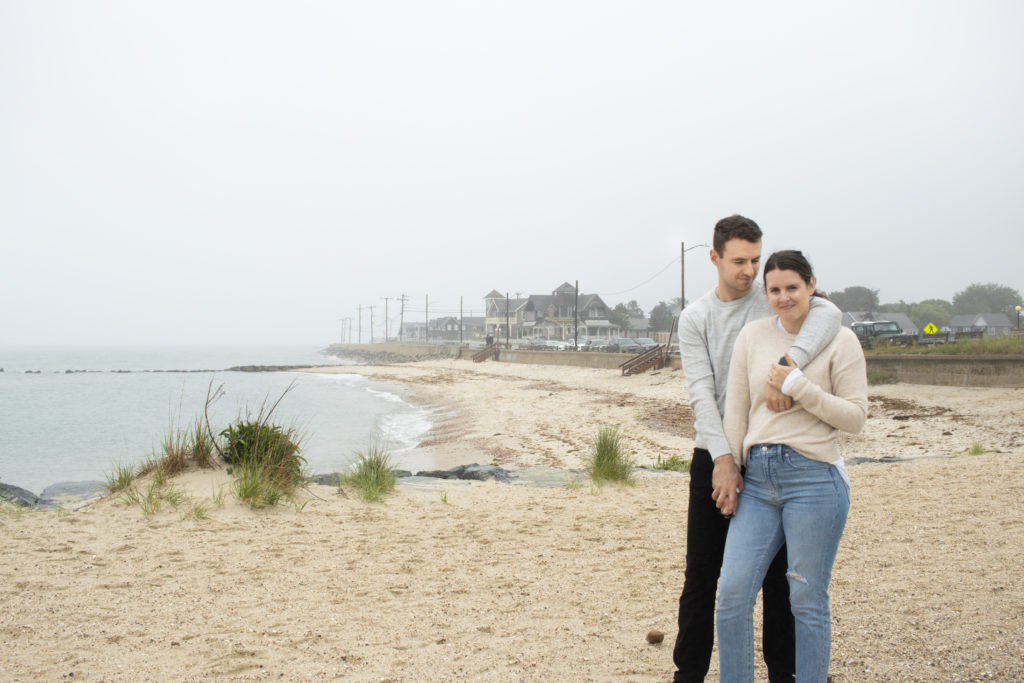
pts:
[930, 328]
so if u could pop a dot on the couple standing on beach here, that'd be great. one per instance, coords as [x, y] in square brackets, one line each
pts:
[769, 493]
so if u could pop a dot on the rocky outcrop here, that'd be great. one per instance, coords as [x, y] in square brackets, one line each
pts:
[18, 496]
[472, 472]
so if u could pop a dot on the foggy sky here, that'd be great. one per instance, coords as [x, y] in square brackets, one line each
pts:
[251, 172]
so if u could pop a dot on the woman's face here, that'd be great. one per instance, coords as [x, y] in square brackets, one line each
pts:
[789, 296]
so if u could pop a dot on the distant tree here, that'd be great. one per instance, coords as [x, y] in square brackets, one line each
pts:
[935, 311]
[661, 317]
[634, 310]
[855, 299]
[990, 298]
[619, 316]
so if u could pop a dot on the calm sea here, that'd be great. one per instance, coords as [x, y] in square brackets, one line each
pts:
[117, 403]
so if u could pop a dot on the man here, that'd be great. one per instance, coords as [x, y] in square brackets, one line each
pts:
[707, 332]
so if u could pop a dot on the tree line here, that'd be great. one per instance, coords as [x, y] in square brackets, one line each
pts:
[976, 298]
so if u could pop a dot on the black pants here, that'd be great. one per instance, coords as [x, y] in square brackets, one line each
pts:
[705, 544]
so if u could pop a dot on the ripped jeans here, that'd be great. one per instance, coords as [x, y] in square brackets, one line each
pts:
[803, 503]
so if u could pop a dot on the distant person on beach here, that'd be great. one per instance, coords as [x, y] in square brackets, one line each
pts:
[707, 331]
[796, 489]
[490, 339]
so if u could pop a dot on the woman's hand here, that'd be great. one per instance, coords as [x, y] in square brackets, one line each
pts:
[778, 373]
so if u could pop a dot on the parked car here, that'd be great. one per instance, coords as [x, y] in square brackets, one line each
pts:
[537, 344]
[556, 345]
[595, 345]
[623, 345]
[646, 343]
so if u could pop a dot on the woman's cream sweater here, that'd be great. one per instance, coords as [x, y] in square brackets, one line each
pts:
[831, 396]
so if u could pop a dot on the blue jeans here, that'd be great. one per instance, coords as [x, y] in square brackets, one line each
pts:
[803, 503]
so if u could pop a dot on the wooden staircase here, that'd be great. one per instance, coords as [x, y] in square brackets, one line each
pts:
[485, 353]
[651, 358]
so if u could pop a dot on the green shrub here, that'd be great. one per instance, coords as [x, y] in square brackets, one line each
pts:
[372, 474]
[608, 461]
[267, 449]
[675, 463]
[875, 377]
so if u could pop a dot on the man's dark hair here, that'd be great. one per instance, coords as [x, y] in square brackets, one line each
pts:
[735, 227]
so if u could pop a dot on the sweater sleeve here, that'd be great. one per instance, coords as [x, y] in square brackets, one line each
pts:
[737, 399]
[820, 327]
[700, 384]
[846, 408]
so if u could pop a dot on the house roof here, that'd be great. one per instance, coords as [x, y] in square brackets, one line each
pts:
[980, 320]
[495, 294]
[565, 287]
[639, 323]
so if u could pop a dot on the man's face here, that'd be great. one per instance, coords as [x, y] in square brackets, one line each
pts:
[737, 268]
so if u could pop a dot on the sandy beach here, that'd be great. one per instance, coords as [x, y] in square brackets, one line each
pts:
[454, 581]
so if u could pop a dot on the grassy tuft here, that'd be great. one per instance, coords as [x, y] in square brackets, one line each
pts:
[976, 449]
[968, 347]
[674, 463]
[608, 462]
[875, 377]
[120, 478]
[372, 474]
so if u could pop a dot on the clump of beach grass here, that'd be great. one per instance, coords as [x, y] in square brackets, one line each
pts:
[265, 458]
[120, 478]
[156, 494]
[608, 460]
[673, 463]
[372, 474]
[976, 449]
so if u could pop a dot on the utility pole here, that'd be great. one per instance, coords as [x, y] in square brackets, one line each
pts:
[576, 319]
[360, 323]
[682, 276]
[508, 328]
[386, 299]
[401, 319]
[371, 323]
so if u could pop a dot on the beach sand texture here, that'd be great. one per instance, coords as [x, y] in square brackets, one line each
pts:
[506, 582]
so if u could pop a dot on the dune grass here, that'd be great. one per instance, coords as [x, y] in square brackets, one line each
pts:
[1005, 345]
[673, 463]
[372, 474]
[608, 461]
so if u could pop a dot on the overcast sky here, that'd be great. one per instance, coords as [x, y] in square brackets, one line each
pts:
[251, 172]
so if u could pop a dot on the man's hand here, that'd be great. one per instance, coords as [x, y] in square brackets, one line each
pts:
[777, 400]
[726, 482]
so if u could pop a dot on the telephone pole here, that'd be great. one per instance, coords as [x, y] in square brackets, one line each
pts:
[360, 323]
[401, 318]
[371, 323]
[386, 300]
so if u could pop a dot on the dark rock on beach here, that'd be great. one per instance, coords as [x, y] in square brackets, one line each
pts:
[18, 496]
[472, 472]
[58, 495]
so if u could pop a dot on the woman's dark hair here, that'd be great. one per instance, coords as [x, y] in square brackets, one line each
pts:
[791, 259]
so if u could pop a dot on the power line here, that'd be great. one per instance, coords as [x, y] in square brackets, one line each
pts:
[625, 291]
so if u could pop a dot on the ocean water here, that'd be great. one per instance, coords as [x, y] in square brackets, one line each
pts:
[73, 413]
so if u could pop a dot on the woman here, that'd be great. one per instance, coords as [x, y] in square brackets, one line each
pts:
[796, 489]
